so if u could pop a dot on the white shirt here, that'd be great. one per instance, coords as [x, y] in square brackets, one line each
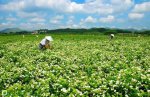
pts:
[43, 42]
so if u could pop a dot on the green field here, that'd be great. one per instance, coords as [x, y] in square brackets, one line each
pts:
[78, 65]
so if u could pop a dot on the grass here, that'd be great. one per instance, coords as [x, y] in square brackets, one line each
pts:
[78, 65]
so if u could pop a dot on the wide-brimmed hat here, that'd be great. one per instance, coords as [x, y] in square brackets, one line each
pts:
[49, 38]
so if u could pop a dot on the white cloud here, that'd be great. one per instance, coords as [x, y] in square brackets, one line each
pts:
[107, 19]
[74, 7]
[57, 19]
[107, 6]
[68, 6]
[120, 20]
[136, 15]
[27, 15]
[61, 5]
[71, 17]
[70, 20]
[13, 6]
[37, 19]
[32, 26]
[70, 26]
[120, 1]
[54, 21]
[120, 6]
[141, 8]
[89, 19]
[6, 25]
[97, 6]
[85, 23]
[11, 19]
[32, 17]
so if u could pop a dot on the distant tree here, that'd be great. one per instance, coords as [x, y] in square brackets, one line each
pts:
[108, 32]
[146, 32]
[102, 29]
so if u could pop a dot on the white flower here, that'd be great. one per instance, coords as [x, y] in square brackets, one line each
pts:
[4, 92]
[64, 90]
[117, 82]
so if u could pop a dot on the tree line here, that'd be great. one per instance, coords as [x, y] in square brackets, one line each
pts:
[104, 31]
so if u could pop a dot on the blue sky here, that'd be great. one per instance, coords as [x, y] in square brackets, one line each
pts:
[54, 14]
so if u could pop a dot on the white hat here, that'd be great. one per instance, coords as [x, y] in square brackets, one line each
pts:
[49, 38]
[112, 35]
